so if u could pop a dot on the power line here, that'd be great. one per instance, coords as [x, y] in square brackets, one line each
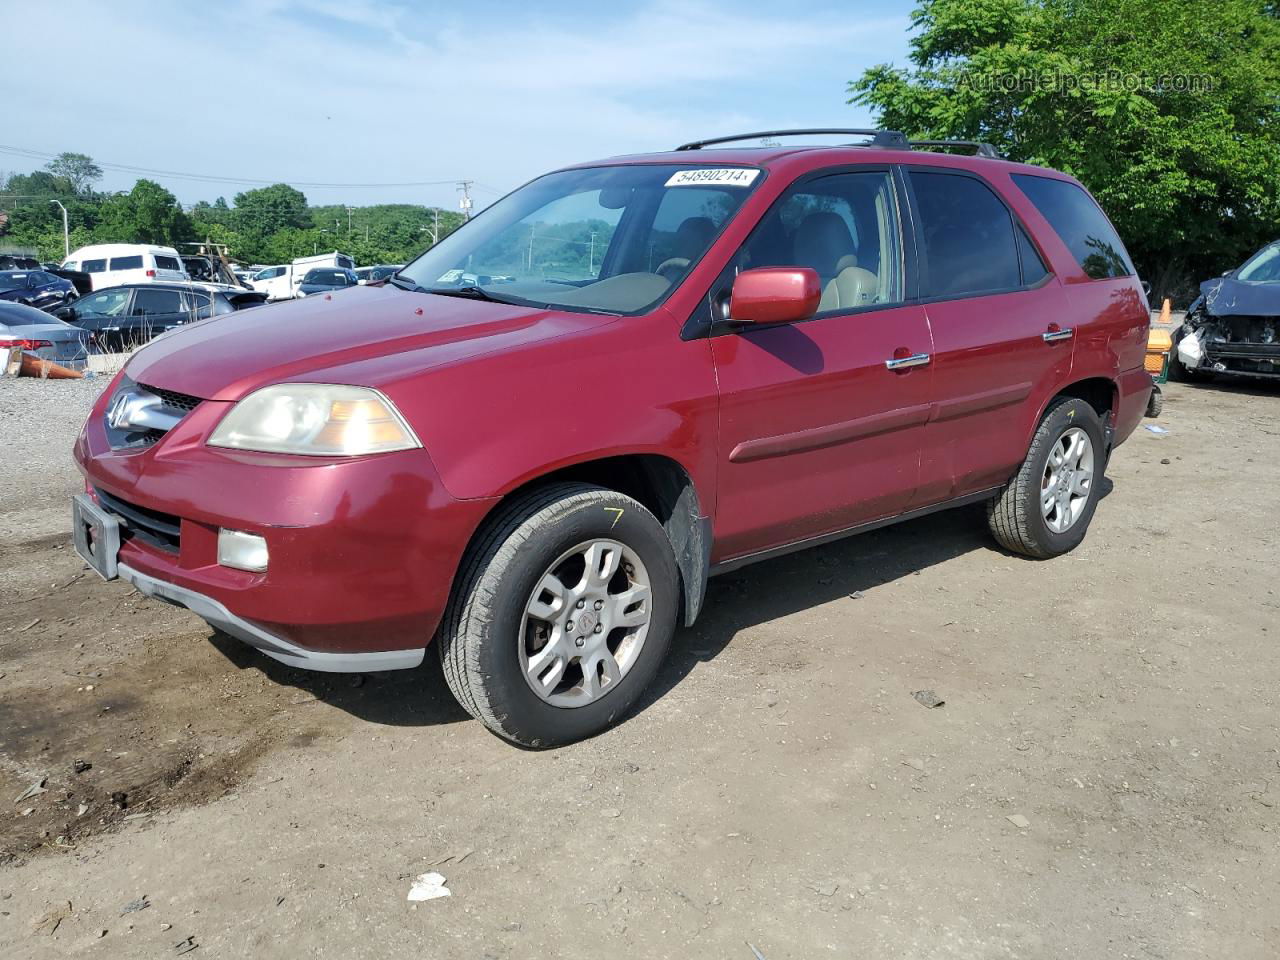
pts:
[209, 178]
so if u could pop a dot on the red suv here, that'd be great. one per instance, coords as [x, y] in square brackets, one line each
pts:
[538, 440]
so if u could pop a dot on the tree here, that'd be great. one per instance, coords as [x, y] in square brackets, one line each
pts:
[146, 214]
[1165, 109]
[78, 170]
[264, 211]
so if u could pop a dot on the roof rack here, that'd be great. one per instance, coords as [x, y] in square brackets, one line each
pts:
[879, 138]
[980, 149]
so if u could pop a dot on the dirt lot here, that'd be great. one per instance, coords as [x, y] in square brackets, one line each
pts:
[1103, 780]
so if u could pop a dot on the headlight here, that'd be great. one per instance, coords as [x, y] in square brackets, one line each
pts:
[314, 419]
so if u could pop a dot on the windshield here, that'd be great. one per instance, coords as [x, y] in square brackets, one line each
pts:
[1263, 266]
[611, 239]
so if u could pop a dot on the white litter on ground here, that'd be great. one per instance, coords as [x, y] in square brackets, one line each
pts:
[429, 886]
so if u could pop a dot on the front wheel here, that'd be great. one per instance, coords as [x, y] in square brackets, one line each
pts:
[563, 611]
[1045, 509]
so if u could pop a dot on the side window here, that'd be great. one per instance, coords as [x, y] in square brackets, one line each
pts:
[1081, 224]
[148, 303]
[95, 266]
[1033, 268]
[845, 227]
[968, 238]
[200, 305]
[109, 303]
[167, 263]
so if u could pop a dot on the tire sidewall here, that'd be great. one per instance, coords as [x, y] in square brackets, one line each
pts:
[1072, 413]
[525, 716]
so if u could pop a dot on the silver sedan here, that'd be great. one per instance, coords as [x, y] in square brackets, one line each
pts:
[41, 335]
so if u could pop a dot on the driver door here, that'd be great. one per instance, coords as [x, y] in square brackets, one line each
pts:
[821, 421]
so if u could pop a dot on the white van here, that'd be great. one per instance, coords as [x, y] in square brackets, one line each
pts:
[111, 264]
[282, 282]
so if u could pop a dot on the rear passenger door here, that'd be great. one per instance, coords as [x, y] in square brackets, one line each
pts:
[818, 433]
[155, 310]
[996, 314]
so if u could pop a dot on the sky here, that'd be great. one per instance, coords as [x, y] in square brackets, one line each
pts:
[365, 92]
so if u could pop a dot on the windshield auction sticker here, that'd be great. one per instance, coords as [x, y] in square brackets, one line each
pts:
[727, 177]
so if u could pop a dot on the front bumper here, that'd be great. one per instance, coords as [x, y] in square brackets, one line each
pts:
[362, 550]
[220, 618]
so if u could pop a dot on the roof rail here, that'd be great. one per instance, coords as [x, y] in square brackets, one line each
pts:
[980, 149]
[879, 138]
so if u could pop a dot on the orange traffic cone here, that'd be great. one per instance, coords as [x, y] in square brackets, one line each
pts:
[36, 367]
[1166, 312]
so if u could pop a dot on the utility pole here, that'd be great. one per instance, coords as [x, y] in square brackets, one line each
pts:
[531, 230]
[435, 226]
[348, 220]
[465, 202]
[591, 262]
[66, 234]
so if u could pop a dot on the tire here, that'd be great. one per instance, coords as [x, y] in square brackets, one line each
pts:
[1178, 371]
[1155, 405]
[1016, 516]
[490, 637]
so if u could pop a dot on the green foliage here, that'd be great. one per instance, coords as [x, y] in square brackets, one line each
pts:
[146, 214]
[269, 209]
[78, 170]
[1188, 174]
[270, 225]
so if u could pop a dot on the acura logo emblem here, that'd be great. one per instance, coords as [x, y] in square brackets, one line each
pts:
[118, 412]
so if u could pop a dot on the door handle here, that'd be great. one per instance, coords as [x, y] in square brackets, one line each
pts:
[1053, 335]
[902, 363]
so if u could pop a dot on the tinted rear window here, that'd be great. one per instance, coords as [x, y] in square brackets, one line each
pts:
[1080, 223]
[95, 266]
[968, 236]
[167, 263]
[126, 263]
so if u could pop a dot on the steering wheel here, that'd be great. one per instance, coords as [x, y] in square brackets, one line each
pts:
[673, 264]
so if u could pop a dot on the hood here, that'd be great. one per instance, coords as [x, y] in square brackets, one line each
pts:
[1228, 297]
[226, 357]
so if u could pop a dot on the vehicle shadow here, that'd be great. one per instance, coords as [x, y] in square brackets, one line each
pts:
[735, 601]
[397, 698]
[1243, 386]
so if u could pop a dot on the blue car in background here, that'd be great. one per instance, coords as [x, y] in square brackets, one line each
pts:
[35, 288]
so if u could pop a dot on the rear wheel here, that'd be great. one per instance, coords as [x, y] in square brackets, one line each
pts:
[563, 611]
[1045, 509]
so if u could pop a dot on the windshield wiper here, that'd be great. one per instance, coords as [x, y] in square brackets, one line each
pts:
[471, 292]
[405, 283]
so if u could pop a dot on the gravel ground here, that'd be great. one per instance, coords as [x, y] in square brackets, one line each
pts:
[39, 421]
[1101, 782]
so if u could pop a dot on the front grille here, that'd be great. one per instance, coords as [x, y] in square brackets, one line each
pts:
[171, 398]
[161, 530]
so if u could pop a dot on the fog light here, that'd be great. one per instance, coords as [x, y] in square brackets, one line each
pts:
[244, 551]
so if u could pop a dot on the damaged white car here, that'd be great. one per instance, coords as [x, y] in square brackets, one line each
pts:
[1233, 327]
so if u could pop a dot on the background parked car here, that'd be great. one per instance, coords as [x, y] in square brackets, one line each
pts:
[35, 288]
[42, 335]
[326, 280]
[375, 273]
[111, 264]
[128, 316]
[1233, 327]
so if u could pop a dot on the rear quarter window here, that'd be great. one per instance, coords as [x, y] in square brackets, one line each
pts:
[167, 263]
[126, 263]
[1080, 223]
[95, 266]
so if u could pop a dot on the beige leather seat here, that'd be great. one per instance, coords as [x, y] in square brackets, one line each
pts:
[822, 241]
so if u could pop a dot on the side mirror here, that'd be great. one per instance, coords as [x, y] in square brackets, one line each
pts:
[772, 295]
[1146, 288]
